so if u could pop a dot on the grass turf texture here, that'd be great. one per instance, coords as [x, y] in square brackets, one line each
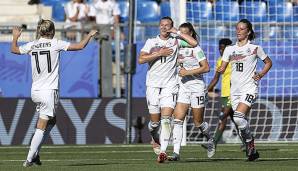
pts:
[141, 157]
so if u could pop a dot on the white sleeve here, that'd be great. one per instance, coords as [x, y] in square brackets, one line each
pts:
[147, 47]
[62, 45]
[199, 54]
[226, 55]
[26, 48]
[116, 9]
[260, 53]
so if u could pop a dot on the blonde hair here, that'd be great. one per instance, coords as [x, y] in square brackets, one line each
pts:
[45, 28]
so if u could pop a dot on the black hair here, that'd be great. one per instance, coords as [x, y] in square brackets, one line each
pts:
[252, 34]
[191, 29]
[168, 18]
[225, 41]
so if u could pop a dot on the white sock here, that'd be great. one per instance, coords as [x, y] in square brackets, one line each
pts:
[45, 137]
[177, 135]
[204, 127]
[35, 143]
[165, 133]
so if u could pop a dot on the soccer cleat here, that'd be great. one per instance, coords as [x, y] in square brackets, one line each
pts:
[36, 160]
[156, 147]
[174, 157]
[162, 157]
[210, 148]
[251, 151]
[27, 163]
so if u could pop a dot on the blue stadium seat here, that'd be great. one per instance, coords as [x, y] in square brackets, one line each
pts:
[165, 9]
[227, 10]
[199, 11]
[281, 11]
[58, 12]
[124, 8]
[148, 11]
[254, 11]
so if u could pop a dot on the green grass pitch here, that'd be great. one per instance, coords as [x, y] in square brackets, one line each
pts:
[273, 157]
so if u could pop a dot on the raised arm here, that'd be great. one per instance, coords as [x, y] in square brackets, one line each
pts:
[148, 57]
[82, 43]
[204, 67]
[190, 40]
[16, 33]
[268, 64]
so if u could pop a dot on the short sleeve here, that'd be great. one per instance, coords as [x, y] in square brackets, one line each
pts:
[26, 48]
[199, 54]
[116, 9]
[226, 55]
[147, 47]
[260, 53]
[62, 45]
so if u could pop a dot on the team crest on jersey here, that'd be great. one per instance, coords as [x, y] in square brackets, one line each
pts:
[248, 51]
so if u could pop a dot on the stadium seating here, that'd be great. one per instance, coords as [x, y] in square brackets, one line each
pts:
[58, 12]
[148, 11]
[199, 11]
[281, 11]
[124, 8]
[295, 13]
[254, 11]
[165, 9]
[227, 10]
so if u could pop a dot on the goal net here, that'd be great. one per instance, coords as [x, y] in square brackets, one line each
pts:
[274, 116]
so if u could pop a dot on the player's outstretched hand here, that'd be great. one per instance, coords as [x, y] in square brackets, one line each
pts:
[16, 32]
[93, 33]
[257, 76]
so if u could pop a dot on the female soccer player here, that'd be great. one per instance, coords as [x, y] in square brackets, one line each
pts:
[243, 57]
[161, 54]
[192, 92]
[226, 109]
[44, 54]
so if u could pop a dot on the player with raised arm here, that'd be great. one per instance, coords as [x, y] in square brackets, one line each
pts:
[161, 81]
[243, 57]
[44, 52]
[226, 107]
[192, 93]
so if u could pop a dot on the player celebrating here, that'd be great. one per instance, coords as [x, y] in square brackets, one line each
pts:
[243, 57]
[161, 55]
[44, 54]
[226, 109]
[192, 92]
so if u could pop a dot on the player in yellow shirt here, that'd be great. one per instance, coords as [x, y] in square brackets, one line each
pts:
[226, 109]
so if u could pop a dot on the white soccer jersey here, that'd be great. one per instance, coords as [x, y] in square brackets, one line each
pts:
[162, 71]
[105, 10]
[44, 62]
[189, 58]
[244, 62]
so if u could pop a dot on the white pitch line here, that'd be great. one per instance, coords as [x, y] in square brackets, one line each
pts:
[79, 160]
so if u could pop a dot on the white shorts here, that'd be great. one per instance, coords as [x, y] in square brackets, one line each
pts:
[198, 99]
[247, 97]
[46, 101]
[158, 98]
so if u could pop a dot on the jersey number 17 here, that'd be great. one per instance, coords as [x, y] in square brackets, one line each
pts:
[47, 54]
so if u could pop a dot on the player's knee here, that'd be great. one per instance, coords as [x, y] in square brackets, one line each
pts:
[165, 119]
[177, 122]
[240, 121]
[153, 125]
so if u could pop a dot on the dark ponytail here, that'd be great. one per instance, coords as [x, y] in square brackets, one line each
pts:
[191, 29]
